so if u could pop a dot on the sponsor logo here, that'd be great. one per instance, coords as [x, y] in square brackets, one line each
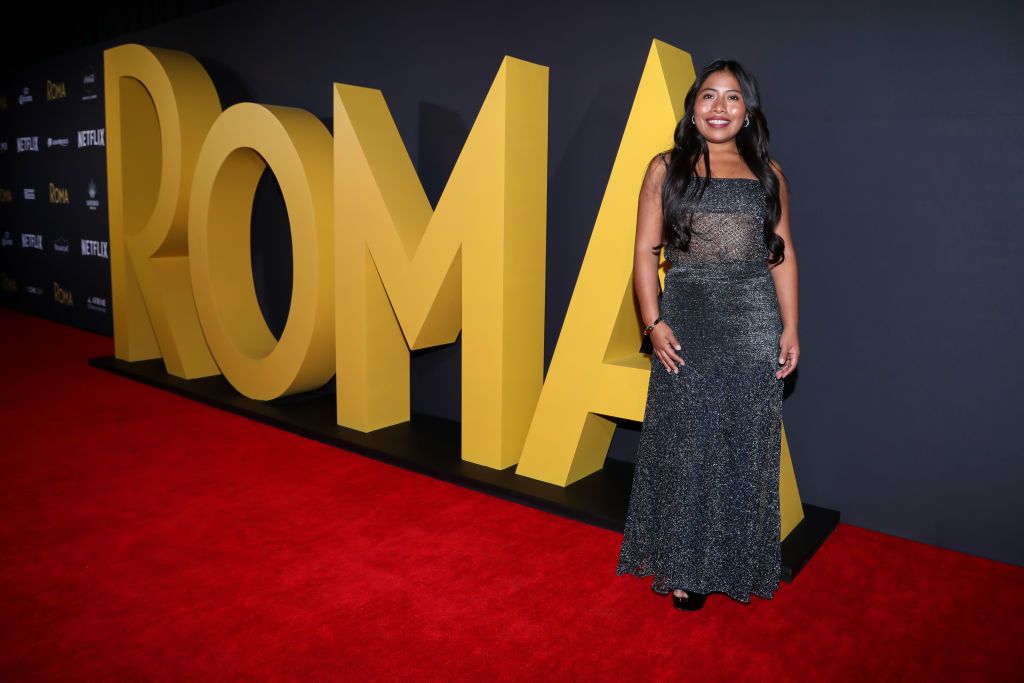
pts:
[63, 296]
[55, 91]
[57, 142]
[25, 97]
[3, 146]
[6, 196]
[33, 290]
[91, 138]
[95, 303]
[3, 102]
[28, 144]
[95, 248]
[9, 283]
[89, 83]
[30, 241]
[92, 202]
[58, 195]
[6, 240]
[29, 193]
[61, 245]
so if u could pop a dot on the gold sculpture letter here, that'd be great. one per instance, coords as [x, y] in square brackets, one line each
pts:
[597, 369]
[159, 106]
[409, 277]
[243, 142]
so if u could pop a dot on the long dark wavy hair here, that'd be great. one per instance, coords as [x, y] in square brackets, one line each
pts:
[690, 145]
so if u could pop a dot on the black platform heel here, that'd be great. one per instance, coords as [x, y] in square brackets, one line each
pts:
[692, 601]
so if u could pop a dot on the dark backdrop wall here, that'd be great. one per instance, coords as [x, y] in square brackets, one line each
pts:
[54, 258]
[898, 125]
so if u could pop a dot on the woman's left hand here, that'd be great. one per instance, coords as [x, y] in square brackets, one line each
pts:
[789, 353]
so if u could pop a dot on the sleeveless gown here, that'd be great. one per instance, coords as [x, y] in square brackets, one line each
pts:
[703, 513]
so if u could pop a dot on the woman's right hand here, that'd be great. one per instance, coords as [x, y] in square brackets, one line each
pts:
[665, 346]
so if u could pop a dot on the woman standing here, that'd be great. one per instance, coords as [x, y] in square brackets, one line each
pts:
[704, 510]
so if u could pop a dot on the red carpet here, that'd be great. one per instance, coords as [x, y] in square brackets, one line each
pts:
[147, 537]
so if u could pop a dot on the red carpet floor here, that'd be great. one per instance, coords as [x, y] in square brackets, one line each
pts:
[147, 537]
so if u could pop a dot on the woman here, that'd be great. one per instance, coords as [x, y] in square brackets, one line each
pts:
[704, 510]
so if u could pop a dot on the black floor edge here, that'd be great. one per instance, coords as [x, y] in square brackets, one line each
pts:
[432, 446]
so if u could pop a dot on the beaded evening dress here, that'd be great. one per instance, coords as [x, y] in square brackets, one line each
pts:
[704, 509]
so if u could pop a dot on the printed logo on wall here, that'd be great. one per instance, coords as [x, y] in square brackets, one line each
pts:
[25, 97]
[9, 283]
[95, 248]
[6, 196]
[28, 193]
[57, 142]
[59, 195]
[89, 83]
[61, 245]
[33, 290]
[91, 138]
[6, 240]
[55, 91]
[31, 241]
[3, 102]
[92, 202]
[63, 296]
[28, 144]
[97, 304]
[3, 146]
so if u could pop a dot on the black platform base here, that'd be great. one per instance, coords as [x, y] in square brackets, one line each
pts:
[432, 446]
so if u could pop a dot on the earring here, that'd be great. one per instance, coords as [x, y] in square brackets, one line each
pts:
[693, 121]
[747, 123]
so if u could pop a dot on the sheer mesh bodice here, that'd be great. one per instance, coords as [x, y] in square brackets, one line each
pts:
[728, 224]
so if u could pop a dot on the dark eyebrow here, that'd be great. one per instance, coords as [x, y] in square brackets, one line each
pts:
[713, 90]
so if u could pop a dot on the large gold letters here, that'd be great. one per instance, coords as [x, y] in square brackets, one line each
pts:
[376, 271]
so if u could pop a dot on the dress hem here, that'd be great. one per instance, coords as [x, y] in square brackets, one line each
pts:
[735, 595]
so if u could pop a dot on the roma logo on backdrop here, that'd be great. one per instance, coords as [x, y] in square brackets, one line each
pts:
[377, 271]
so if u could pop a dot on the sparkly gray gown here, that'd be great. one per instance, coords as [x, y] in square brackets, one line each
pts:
[704, 510]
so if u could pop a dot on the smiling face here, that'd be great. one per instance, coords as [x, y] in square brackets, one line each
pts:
[719, 109]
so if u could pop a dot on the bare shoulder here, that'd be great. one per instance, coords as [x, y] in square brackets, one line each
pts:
[778, 171]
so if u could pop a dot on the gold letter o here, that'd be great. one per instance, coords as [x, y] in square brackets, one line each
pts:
[242, 142]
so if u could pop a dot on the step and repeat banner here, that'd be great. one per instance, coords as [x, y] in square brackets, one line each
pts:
[54, 259]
